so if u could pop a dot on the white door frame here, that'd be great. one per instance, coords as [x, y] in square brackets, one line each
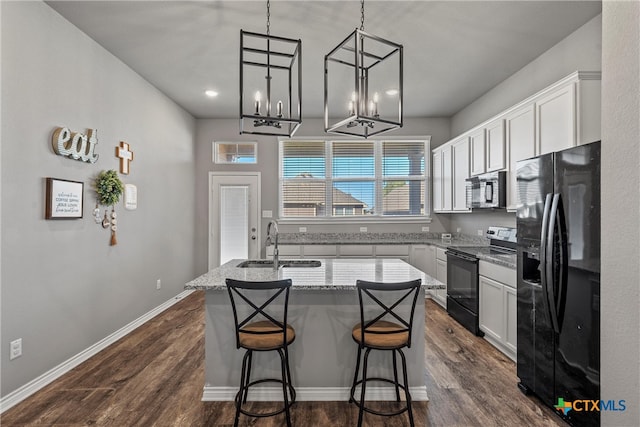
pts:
[213, 227]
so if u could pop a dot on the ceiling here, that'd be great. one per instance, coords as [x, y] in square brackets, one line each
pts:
[454, 51]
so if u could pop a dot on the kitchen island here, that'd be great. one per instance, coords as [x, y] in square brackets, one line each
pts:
[323, 308]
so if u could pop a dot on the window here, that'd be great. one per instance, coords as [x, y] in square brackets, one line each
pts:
[231, 152]
[357, 179]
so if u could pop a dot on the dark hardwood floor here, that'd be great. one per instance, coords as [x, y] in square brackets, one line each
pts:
[154, 377]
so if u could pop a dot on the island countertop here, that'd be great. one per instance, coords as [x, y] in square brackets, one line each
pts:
[333, 273]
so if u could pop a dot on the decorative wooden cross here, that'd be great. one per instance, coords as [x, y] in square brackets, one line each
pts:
[125, 156]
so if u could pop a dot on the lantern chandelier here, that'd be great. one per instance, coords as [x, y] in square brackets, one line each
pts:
[363, 85]
[270, 66]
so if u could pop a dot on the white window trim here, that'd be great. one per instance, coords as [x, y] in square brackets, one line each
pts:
[377, 219]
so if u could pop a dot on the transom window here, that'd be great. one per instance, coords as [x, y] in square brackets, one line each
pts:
[357, 179]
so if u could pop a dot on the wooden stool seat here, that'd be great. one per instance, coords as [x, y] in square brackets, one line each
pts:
[382, 334]
[264, 335]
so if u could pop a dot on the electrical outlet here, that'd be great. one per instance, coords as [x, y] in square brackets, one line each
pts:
[302, 229]
[16, 349]
[158, 284]
[425, 229]
[480, 233]
[459, 230]
[363, 229]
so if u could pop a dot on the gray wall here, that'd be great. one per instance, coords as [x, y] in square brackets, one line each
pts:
[620, 304]
[581, 50]
[227, 130]
[63, 287]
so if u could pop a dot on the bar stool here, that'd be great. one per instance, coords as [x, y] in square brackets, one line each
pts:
[272, 333]
[381, 334]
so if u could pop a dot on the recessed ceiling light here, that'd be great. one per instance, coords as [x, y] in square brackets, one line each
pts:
[211, 93]
[392, 92]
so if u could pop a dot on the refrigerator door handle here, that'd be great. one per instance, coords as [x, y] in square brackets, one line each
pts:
[543, 251]
[549, 262]
[562, 265]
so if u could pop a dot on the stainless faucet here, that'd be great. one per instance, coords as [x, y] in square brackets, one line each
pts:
[272, 238]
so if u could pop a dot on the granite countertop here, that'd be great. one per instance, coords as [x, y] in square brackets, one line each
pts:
[333, 274]
[424, 238]
[505, 260]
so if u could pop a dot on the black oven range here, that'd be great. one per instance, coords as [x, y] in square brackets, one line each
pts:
[462, 275]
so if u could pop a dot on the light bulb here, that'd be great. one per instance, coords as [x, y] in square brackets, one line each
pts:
[257, 98]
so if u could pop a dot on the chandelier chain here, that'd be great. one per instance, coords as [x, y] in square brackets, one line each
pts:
[361, 15]
[268, 16]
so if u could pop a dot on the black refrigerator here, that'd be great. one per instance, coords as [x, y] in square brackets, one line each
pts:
[558, 295]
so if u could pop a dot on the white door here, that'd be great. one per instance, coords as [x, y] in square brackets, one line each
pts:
[234, 227]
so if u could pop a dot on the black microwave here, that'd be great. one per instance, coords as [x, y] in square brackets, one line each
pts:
[487, 191]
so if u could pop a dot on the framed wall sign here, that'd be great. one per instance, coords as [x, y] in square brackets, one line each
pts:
[64, 199]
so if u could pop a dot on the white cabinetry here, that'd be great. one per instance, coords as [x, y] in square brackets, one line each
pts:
[497, 312]
[442, 178]
[447, 178]
[477, 144]
[460, 173]
[495, 145]
[520, 126]
[555, 120]
[355, 251]
[423, 257]
[450, 170]
[319, 251]
[562, 116]
[286, 251]
[440, 295]
[393, 251]
[437, 180]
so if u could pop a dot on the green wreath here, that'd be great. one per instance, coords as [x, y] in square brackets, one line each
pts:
[109, 187]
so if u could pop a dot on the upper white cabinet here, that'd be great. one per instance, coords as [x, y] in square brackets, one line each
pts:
[568, 114]
[450, 170]
[495, 152]
[460, 173]
[556, 120]
[447, 178]
[520, 126]
[442, 178]
[561, 116]
[437, 180]
[476, 144]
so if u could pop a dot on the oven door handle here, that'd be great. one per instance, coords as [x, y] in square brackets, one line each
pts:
[463, 257]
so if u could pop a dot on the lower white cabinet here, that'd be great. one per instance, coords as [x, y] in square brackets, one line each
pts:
[286, 251]
[497, 311]
[440, 295]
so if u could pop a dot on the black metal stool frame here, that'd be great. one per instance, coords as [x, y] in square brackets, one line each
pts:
[365, 287]
[279, 286]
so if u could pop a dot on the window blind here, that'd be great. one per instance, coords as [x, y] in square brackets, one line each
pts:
[337, 179]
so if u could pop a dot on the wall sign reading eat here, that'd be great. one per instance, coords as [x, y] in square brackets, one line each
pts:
[75, 145]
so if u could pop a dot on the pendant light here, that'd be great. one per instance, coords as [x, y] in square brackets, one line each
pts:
[363, 85]
[270, 83]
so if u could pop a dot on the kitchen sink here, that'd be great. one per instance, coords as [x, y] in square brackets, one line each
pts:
[288, 263]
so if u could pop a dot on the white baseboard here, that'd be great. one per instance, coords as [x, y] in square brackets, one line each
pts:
[18, 395]
[315, 394]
